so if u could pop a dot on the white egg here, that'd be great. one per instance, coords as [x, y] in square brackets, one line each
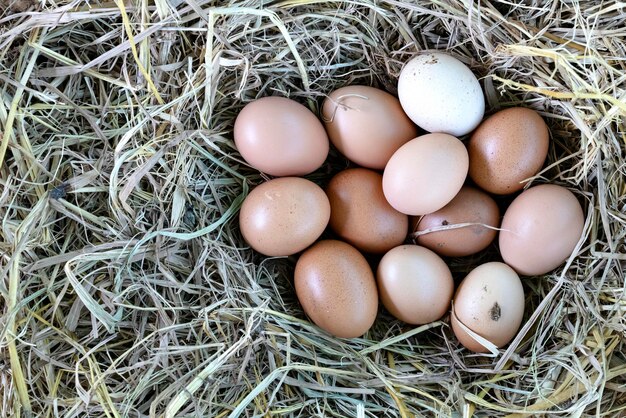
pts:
[441, 94]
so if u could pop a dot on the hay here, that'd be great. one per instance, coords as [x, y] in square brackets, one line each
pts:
[127, 289]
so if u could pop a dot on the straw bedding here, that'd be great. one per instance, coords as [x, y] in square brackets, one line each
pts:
[127, 289]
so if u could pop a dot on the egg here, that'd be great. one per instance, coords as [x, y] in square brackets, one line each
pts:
[336, 288]
[489, 302]
[283, 216]
[425, 174]
[360, 214]
[280, 137]
[415, 284]
[540, 229]
[441, 94]
[507, 148]
[366, 124]
[469, 206]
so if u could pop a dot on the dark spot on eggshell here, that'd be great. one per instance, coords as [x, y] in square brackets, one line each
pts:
[495, 312]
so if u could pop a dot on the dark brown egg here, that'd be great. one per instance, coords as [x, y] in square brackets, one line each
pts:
[506, 149]
[360, 214]
[470, 206]
[336, 288]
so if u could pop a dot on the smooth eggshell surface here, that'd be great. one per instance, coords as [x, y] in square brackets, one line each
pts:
[469, 206]
[415, 284]
[425, 174]
[490, 302]
[540, 229]
[441, 94]
[280, 137]
[507, 148]
[283, 216]
[366, 124]
[360, 214]
[336, 288]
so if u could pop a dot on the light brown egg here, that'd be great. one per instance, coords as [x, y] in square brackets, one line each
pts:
[469, 206]
[284, 216]
[360, 214]
[540, 229]
[425, 174]
[490, 302]
[415, 284]
[508, 148]
[366, 124]
[280, 137]
[336, 288]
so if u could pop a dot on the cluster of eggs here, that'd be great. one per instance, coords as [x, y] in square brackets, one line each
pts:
[408, 201]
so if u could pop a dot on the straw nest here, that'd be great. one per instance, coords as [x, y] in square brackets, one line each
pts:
[127, 290]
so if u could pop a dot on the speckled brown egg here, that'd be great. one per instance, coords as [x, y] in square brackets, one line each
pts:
[360, 214]
[540, 229]
[507, 148]
[469, 206]
[366, 124]
[283, 216]
[415, 284]
[280, 137]
[336, 288]
[490, 303]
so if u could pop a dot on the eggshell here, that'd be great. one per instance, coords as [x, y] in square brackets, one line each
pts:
[360, 214]
[508, 148]
[425, 174]
[280, 137]
[540, 229]
[469, 206]
[441, 94]
[415, 284]
[490, 302]
[366, 124]
[283, 216]
[336, 288]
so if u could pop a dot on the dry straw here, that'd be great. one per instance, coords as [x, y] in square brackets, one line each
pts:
[127, 290]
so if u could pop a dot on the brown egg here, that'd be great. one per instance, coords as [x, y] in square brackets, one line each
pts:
[425, 174]
[540, 229]
[336, 288]
[360, 214]
[508, 148]
[366, 124]
[280, 137]
[415, 284]
[469, 206]
[284, 216]
[490, 302]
